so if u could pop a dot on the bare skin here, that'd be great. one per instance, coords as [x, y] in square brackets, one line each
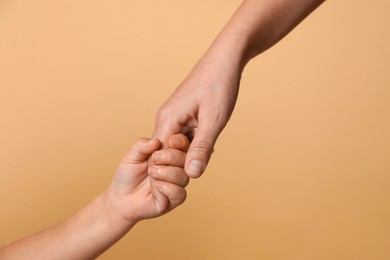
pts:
[204, 101]
[128, 200]
[149, 185]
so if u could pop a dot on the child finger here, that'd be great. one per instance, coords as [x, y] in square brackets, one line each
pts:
[141, 150]
[171, 157]
[175, 175]
[176, 194]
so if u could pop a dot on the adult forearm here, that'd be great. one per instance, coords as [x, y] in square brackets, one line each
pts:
[259, 24]
[205, 100]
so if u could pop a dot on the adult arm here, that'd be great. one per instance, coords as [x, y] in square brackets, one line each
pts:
[203, 103]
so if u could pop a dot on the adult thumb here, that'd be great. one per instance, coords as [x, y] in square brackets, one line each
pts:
[200, 151]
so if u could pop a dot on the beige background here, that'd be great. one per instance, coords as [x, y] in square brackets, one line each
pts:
[302, 170]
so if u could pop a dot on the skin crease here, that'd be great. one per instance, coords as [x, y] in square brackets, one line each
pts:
[128, 200]
[149, 185]
[205, 100]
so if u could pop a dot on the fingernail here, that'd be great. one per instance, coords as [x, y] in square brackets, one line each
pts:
[195, 168]
[157, 205]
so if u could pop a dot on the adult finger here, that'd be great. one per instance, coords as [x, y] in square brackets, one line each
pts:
[201, 149]
[175, 175]
[179, 141]
[165, 126]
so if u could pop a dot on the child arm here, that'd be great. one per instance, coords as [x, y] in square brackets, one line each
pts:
[101, 223]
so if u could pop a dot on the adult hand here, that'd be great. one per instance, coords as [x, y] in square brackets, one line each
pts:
[203, 103]
[200, 108]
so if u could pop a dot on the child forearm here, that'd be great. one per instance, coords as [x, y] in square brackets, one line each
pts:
[85, 235]
[129, 199]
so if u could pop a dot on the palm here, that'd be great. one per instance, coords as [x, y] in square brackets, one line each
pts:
[134, 185]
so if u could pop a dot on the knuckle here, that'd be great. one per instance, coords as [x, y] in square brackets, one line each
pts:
[167, 157]
[170, 157]
[140, 141]
[202, 145]
[186, 181]
[180, 197]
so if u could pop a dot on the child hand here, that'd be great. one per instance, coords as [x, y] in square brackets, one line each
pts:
[132, 192]
[166, 169]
